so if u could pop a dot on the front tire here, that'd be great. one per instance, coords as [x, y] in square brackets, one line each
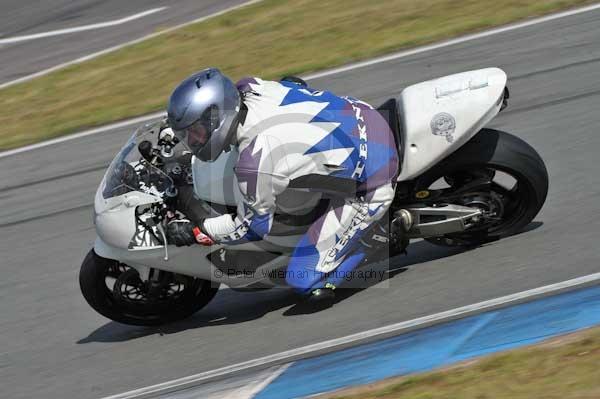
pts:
[493, 151]
[126, 300]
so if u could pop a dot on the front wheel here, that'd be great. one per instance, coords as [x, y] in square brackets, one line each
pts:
[116, 291]
[497, 173]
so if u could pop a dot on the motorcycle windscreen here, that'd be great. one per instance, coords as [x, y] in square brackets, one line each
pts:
[131, 171]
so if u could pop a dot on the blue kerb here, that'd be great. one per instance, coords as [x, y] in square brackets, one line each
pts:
[439, 345]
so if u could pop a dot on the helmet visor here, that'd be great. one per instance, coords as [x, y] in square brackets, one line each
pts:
[198, 133]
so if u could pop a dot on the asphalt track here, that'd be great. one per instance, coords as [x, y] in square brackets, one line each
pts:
[20, 18]
[53, 345]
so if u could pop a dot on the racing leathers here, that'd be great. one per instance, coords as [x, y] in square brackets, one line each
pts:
[295, 139]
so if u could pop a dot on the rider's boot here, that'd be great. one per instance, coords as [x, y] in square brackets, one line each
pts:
[387, 238]
[321, 298]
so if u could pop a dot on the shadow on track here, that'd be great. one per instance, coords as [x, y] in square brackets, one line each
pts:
[228, 307]
[234, 307]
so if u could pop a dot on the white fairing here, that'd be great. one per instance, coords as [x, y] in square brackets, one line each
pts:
[215, 181]
[439, 116]
[114, 217]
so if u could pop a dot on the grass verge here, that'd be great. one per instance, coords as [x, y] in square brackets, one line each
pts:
[562, 368]
[267, 39]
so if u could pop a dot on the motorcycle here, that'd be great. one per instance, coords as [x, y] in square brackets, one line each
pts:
[460, 184]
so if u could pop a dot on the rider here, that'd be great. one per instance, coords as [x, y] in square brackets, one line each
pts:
[290, 137]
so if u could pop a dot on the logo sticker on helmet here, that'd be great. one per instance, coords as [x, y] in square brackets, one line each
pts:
[443, 124]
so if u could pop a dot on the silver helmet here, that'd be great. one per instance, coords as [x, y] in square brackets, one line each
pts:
[203, 111]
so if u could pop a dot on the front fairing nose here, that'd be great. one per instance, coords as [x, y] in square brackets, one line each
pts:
[115, 218]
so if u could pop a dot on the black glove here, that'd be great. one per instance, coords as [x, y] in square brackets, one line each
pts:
[180, 232]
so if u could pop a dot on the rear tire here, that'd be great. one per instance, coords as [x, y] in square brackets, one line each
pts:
[499, 151]
[93, 274]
